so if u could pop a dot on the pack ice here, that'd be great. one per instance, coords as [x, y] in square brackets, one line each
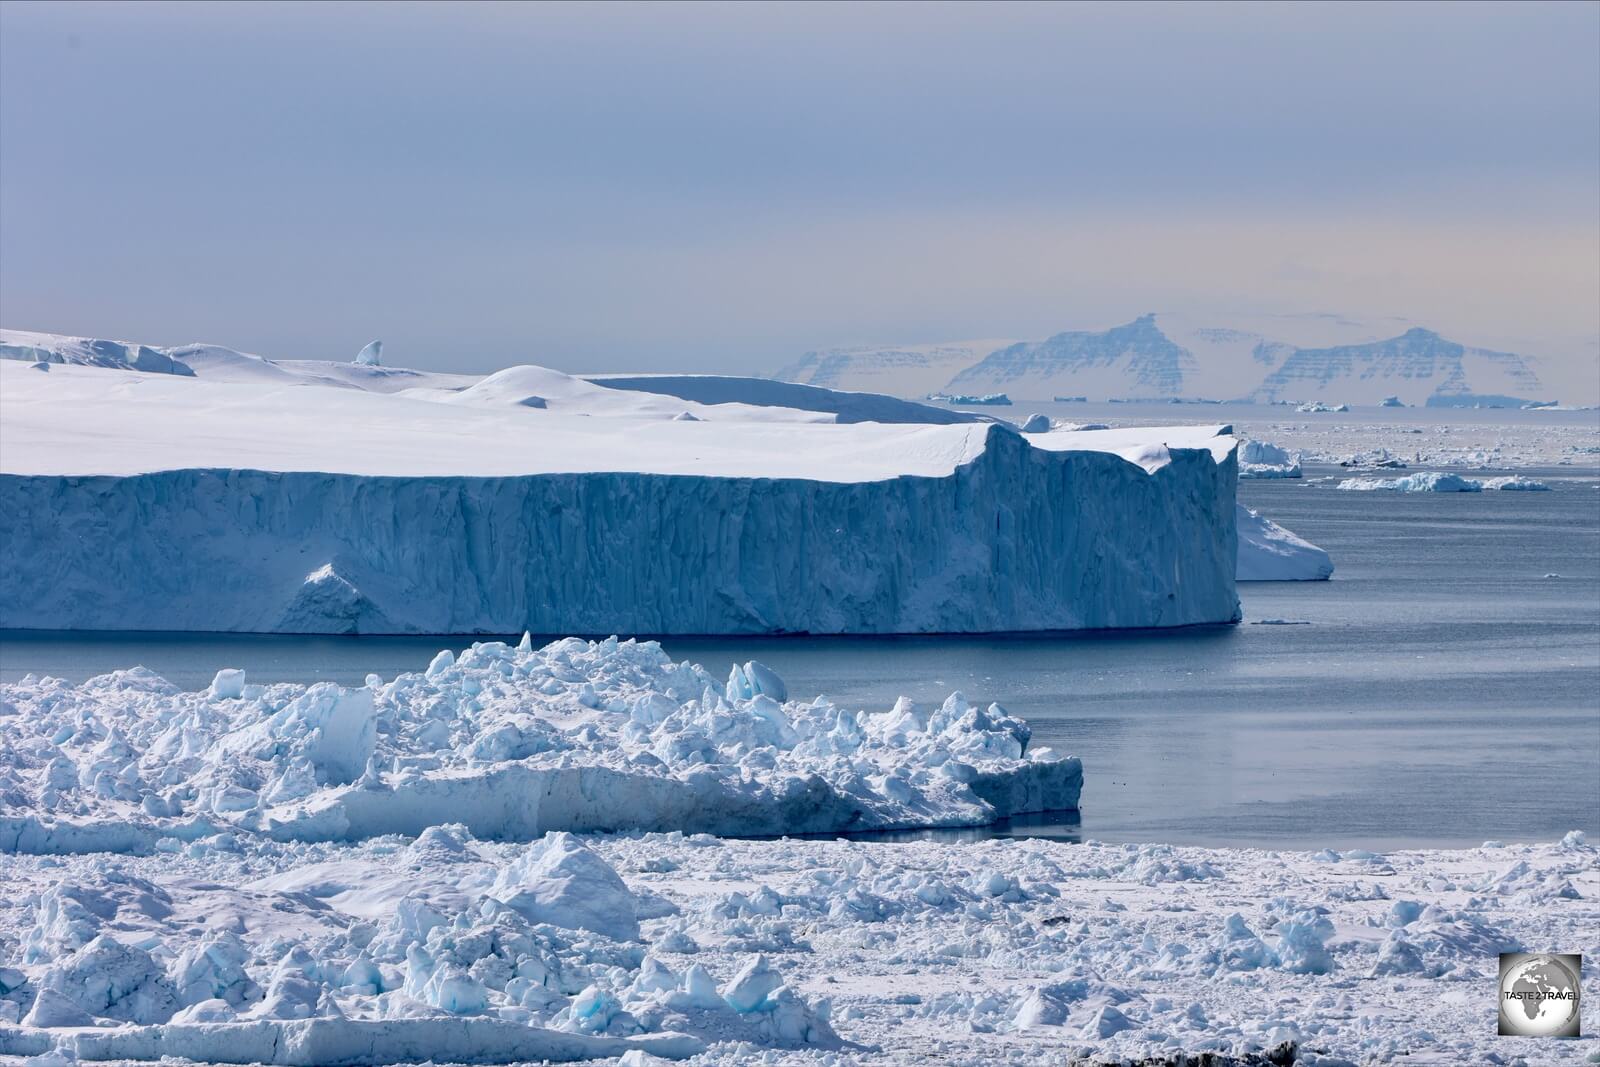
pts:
[285, 496]
[644, 947]
[511, 742]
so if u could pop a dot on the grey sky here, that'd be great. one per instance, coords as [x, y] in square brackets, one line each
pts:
[723, 187]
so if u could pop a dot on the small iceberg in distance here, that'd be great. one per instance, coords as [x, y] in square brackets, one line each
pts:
[1436, 482]
[1258, 459]
[1270, 553]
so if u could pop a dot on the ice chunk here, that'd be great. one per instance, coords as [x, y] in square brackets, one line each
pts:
[1301, 943]
[1398, 956]
[1043, 1006]
[214, 969]
[753, 679]
[227, 685]
[1107, 1022]
[562, 882]
[371, 355]
[750, 987]
[54, 1008]
[108, 978]
[1237, 948]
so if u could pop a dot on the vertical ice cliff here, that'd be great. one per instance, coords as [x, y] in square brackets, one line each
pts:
[1018, 538]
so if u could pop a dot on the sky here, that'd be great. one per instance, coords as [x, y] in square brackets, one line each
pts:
[723, 187]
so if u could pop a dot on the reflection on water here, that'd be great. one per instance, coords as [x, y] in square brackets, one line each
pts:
[1439, 673]
[1056, 825]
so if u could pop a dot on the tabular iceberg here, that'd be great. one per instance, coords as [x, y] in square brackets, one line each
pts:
[165, 502]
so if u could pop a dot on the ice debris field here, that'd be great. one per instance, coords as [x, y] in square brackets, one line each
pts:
[314, 875]
[198, 488]
[511, 742]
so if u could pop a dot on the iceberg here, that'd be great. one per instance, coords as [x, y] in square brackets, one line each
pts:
[1426, 482]
[323, 502]
[1270, 553]
[1516, 483]
[1436, 482]
[1258, 459]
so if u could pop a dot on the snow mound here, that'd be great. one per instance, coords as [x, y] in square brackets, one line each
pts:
[511, 743]
[1270, 553]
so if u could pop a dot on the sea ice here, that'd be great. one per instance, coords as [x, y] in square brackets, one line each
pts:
[794, 951]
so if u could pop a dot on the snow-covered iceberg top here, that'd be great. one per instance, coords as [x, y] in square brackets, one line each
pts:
[511, 742]
[87, 420]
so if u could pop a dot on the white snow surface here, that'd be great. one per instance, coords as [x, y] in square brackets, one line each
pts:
[1270, 553]
[344, 498]
[510, 742]
[230, 949]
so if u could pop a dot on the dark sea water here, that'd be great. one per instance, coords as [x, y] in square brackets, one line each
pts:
[1441, 690]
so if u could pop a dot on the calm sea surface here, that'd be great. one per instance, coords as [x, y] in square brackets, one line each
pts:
[1443, 689]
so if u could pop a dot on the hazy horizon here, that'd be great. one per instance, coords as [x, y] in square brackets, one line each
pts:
[722, 188]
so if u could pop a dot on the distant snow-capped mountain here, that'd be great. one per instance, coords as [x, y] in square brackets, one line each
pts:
[1419, 367]
[1158, 357]
[1132, 360]
[907, 370]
